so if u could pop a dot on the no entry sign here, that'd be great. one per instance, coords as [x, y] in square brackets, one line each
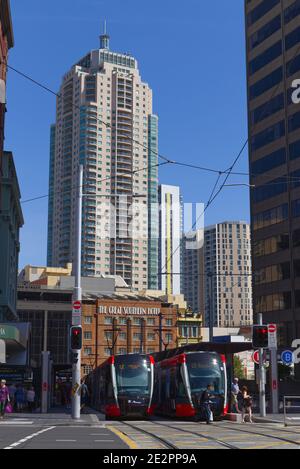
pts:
[77, 305]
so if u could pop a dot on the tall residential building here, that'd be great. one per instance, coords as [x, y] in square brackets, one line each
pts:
[104, 121]
[192, 270]
[170, 239]
[228, 290]
[273, 63]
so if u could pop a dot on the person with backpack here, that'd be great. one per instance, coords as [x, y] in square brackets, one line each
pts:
[206, 403]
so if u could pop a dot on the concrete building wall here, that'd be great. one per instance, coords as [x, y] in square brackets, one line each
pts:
[227, 256]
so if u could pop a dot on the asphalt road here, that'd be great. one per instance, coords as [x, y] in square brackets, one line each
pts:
[58, 437]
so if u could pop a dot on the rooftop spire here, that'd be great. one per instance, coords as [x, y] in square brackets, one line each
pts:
[104, 38]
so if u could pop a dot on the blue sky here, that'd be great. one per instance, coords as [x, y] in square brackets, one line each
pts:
[191, 53]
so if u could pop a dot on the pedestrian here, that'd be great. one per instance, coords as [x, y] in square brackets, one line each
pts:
[235, 391]
[30, 396]
[84, 394]
[68, 393]
[247, 404]
[4, 397]
[20, 397]
[206, 404]
[12, 390]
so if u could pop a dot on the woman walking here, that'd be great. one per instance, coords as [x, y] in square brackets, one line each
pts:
[247, 404]
[4, 397]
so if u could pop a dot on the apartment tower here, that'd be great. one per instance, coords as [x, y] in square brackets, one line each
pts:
[227, 282]
[104, 121]
[273, 63]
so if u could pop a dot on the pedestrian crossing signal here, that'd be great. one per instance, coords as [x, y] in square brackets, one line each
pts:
[260, 337]
[76, 338]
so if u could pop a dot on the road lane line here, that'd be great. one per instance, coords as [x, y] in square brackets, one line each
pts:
[27, 438]
[129, 442]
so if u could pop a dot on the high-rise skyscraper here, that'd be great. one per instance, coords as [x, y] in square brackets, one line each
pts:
[170, 239]
[192, 270]
[228, 290]
[273, 63]
[104, 121]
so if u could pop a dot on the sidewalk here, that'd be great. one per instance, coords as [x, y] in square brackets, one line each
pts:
[277, 418]
[57, 417]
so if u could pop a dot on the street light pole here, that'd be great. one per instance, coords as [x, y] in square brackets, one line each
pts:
[211, 313]
[262, 375]
[77, 296]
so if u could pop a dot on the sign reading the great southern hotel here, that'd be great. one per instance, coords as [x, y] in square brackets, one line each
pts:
[128, 310]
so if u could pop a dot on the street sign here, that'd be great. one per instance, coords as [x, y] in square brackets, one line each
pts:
[287, 357]
[272, 335]
[76, 320]
[255, 357]
[77, 305]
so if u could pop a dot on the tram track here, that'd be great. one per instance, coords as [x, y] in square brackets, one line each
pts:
[162, 440]
[243, 430]
[202, 435]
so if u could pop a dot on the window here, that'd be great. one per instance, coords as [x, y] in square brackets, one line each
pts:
[87, 335]
[151, 321]
[261, 10]
[292, 11]
[296, 238]
[88, 319]
[294, 122]
[269, 190]
[292, 38]
[268, 136]
[271, 245]
[266, 31]
[293, 66]
[267, 109]
[266, 57]
[269, 162]
[136, 321]
[168, 322]
[296, 208]
[266, 83]
[151, 336]
[275, 302]
[273, 273]
[122, 335]
[297, 268]
[270, 217]
[87, 351]
[122, 321]
[108, 320]
[137, 336]
[107, 351]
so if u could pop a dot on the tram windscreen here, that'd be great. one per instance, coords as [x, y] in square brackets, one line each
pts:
[204, 369]
[133, 375]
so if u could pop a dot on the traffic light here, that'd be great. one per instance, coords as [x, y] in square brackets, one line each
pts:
[76, 338]
[260, 336]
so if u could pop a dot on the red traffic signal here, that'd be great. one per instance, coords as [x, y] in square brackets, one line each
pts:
[76, 338]
[260, 337]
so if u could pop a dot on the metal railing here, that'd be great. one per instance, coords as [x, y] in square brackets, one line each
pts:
[288, 403]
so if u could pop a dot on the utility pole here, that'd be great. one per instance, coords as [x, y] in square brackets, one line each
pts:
[160, 332]
[211, 313]
[77, 297]
[262, 376]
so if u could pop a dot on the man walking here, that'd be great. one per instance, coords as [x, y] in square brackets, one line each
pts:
[235, 390]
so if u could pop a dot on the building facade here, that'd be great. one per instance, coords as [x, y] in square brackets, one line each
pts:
[273, 63]
[192, 270]
[11, 220]
[227, 274]
[170, 239]
[104, 121]
[116, 324]
[6, 42]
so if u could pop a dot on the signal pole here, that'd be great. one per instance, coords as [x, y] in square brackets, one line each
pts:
[262, 376]
[77, 296]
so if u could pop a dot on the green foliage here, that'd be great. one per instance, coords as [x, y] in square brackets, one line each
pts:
[238, 368]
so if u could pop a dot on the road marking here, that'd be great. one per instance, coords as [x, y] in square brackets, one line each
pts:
[98, 434]
[67, 441]
[98, 441]
[122, 436]
[29, 437]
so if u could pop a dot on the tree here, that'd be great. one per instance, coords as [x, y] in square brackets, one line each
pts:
[238, 368]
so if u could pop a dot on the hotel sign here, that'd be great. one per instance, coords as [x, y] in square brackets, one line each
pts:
[128, 310]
